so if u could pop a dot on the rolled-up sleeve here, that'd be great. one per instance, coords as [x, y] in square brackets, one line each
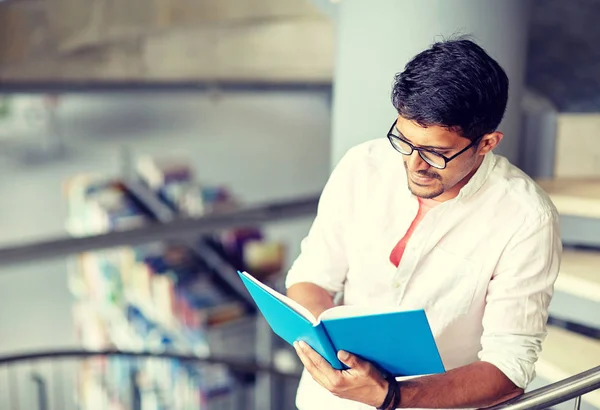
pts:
[322, 260]
[518, 296]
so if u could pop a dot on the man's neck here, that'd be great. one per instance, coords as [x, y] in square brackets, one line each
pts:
[452, 193]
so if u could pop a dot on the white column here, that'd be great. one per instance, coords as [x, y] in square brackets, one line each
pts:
[376, 38]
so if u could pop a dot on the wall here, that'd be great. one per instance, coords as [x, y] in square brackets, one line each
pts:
[564, 57]
[370, 51]
[578, 151]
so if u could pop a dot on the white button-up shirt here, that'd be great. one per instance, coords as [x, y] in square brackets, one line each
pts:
[482, 265]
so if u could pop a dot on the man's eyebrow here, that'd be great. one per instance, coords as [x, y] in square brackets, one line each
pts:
[432, 147]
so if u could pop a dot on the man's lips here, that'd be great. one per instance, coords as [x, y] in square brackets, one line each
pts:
[422, 179]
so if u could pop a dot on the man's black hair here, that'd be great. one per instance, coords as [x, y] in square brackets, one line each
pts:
[454, 84]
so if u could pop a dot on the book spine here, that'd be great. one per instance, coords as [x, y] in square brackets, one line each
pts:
[329, 351]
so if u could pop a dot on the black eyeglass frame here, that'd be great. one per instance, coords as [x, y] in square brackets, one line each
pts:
[392, 137]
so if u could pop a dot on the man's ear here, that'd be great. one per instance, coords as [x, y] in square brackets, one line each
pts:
[489, 142]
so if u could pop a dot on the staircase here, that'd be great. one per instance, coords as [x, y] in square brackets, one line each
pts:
[573, 342]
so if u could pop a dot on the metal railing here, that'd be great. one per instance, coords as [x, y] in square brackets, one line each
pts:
[177, 228]
[559, 392]
[550, 395]
[50, 380]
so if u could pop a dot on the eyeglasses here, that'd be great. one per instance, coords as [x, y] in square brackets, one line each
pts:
[433, 158]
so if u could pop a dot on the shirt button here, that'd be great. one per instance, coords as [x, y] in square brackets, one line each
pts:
[396, 285]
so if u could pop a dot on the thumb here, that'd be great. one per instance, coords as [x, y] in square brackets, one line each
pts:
[350, 360]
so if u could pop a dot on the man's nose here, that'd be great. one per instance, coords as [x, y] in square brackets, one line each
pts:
[416, 163]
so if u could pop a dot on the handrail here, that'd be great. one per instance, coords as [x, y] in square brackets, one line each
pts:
[240, 366]
[542, 398]
[555, 393]
[175, 229]
[162, 213]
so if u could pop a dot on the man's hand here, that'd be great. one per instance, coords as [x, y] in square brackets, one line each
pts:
[362, 382]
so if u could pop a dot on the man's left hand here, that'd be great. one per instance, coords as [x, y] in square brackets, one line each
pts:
[362, 382]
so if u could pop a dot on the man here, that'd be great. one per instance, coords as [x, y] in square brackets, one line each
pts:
[431, 218]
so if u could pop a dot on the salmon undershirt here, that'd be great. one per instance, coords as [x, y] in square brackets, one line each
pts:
[424, 206]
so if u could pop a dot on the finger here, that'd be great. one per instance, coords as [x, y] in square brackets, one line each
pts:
[307, 361]
[307, 355]
[303, 358]
[310, 367]
[318, 367]
[315, 358]
[352, 361]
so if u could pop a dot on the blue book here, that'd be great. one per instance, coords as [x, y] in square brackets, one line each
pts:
[398, 342]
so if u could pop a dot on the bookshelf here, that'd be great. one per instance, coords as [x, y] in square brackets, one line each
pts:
[181, 296]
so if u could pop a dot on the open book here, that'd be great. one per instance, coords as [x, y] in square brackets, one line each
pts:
[398, 342]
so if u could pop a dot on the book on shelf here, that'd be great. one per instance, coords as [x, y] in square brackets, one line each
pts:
[398, 342]
[153, 297]
[172, 180]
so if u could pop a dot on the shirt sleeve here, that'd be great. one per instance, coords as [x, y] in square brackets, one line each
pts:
[322, 260]
[518, 296]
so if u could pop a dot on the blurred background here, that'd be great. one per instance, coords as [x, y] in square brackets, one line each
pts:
[149, 149]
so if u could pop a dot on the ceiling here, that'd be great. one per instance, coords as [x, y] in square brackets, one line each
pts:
[251, 41]
[165, 40]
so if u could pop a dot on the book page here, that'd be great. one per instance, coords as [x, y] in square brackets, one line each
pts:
[343, 311]
[290, 302]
